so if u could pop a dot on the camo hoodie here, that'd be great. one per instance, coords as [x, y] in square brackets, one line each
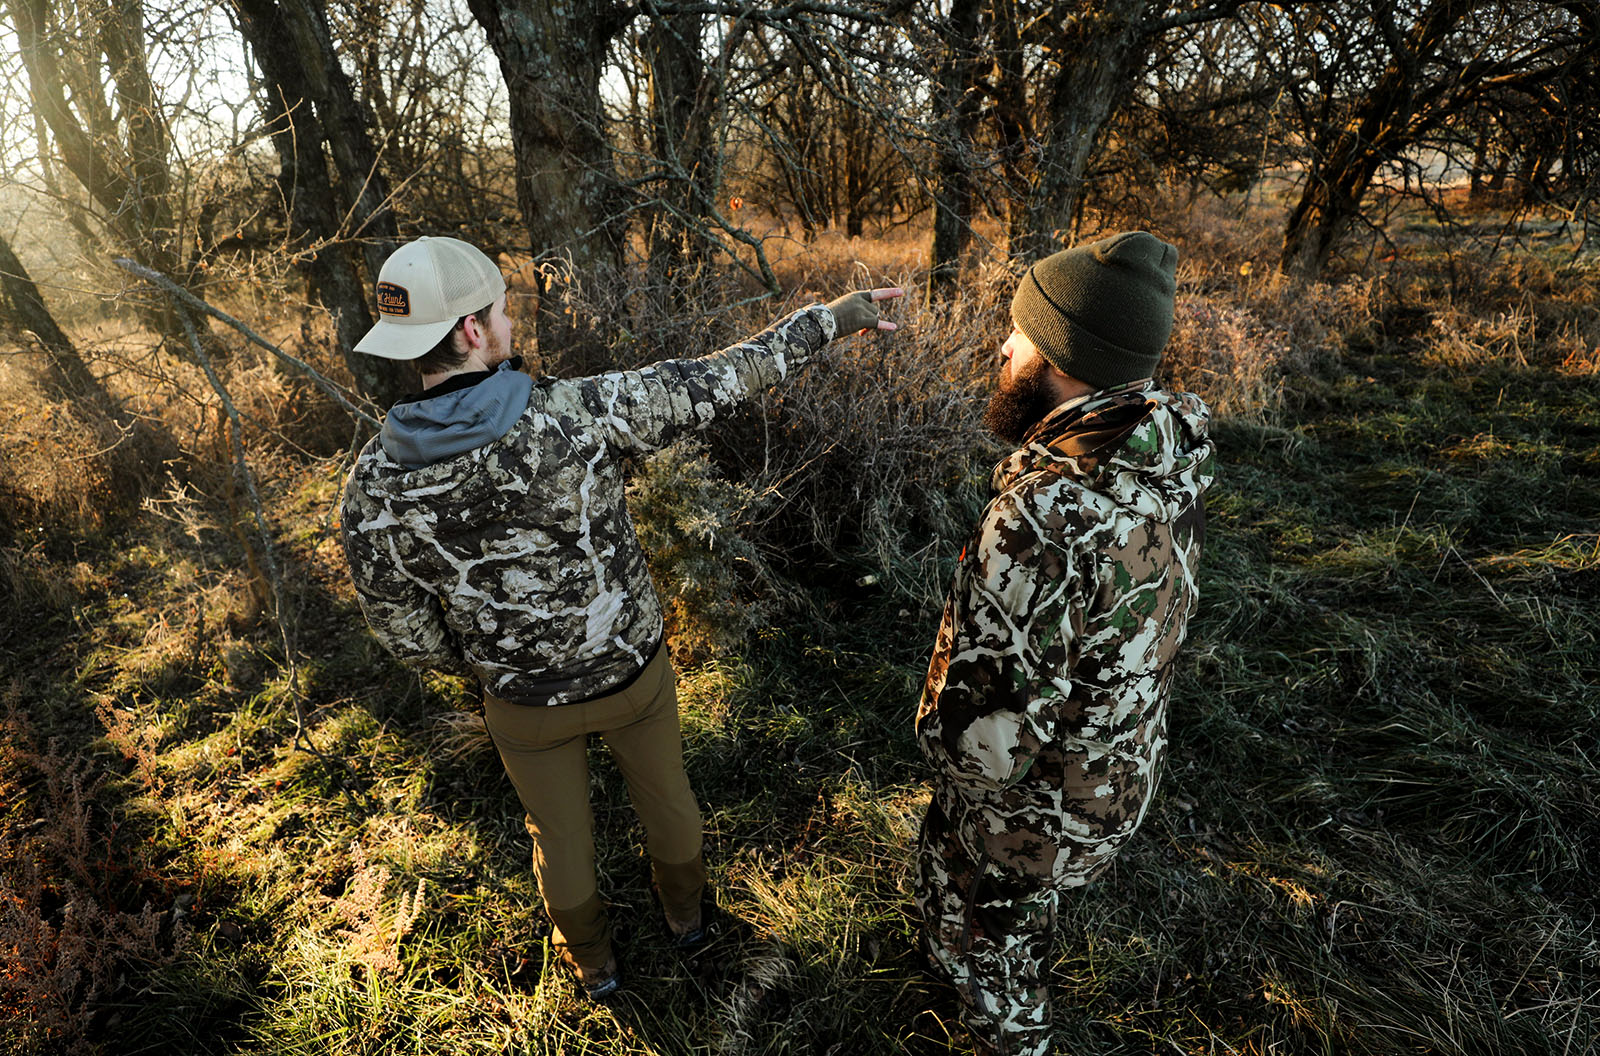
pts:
[486, 530]
[1072, 598]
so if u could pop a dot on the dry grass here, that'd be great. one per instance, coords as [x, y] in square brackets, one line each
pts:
[54, 471]
[80, 907]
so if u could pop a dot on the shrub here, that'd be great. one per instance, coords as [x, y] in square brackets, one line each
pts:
[875, 458]
[688, 518]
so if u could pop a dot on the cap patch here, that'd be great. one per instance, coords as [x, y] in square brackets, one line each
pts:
[393, 299]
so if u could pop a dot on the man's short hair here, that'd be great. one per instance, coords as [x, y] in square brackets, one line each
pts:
[445, 355]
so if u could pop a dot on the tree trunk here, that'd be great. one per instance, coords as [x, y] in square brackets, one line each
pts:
[66, 374]
[1480, 155]
[1013, 119]
[125, 176]
[956, 102]
[1325, 209]
[1347, 154]
[364, 189]
[1497, 178]
[122, 39]
[314, 216]
[551, 56]
[853, 154]
[681, 101]
[118, 155]
[1106, 43]
[1535, 172]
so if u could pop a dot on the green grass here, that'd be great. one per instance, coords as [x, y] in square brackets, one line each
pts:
[1377, 834]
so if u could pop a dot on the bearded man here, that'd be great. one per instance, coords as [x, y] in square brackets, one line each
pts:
[1044, 714]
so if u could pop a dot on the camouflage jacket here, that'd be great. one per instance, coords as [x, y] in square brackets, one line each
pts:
[1072, 597]
[514, 558]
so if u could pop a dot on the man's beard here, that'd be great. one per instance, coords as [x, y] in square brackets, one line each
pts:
[1020, 403]
[498, 351]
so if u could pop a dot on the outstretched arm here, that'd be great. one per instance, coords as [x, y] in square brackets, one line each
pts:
[642, 410]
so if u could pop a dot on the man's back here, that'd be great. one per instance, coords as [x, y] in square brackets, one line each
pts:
[488, 535]
[514, 556]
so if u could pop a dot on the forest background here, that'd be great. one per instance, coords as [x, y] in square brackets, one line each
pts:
[230, 823]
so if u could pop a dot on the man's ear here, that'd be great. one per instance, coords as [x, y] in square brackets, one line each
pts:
[473, 330]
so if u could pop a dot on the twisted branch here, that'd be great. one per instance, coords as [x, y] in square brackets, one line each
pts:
[183, 296]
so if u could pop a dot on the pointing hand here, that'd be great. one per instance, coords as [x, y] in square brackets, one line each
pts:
[858, 311]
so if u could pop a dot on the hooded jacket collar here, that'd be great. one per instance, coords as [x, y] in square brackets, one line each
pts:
[1134, 432]
[459, 415]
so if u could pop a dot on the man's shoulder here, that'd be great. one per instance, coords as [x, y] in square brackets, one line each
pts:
[370, 452]
[356, 499]
[369, 463]
[1024, 523]
[1051, 502]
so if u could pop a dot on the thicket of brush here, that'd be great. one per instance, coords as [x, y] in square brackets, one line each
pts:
[229, 823]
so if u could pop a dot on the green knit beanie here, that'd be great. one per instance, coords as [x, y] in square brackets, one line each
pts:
[1101, 312]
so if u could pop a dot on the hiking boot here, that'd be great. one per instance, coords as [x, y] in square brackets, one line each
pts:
[597, 984]
[691, 935]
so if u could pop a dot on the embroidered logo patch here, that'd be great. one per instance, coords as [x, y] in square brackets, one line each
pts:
[393, 300]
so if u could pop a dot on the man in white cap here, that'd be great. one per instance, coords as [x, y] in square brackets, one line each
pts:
[488, 536]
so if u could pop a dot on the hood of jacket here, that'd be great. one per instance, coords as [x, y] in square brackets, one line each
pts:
[1136, 444]
[437, 426]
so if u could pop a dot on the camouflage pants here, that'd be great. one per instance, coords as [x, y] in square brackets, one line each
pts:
[991, 867]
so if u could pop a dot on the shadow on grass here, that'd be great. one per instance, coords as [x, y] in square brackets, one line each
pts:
[1377, 827]
[102, 906]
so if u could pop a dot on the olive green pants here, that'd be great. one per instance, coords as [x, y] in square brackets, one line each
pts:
[545, 752]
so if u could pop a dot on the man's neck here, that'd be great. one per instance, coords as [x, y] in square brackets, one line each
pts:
[1065, 387]
[430, 381]
[475, 363]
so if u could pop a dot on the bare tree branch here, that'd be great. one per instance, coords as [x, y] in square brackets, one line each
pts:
[185, 297]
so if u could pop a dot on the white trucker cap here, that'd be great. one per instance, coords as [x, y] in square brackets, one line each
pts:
[423, 288]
